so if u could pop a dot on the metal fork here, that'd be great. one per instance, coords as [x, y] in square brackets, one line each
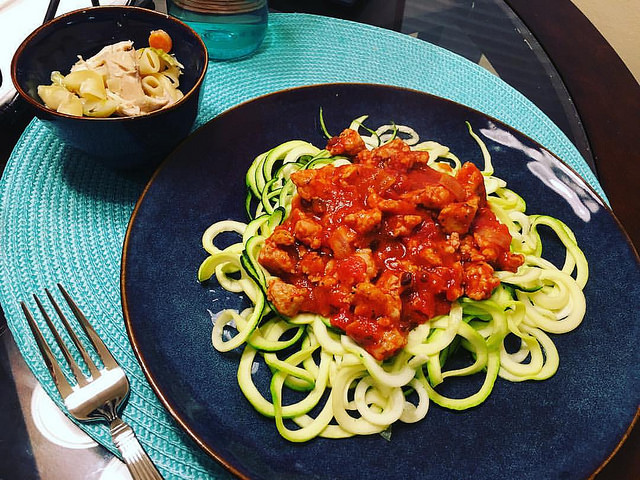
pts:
[99, 396]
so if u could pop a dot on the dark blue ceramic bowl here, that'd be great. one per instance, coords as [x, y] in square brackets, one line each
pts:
[120, 142]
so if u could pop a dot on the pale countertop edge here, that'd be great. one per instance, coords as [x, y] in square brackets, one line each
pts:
[619, 23]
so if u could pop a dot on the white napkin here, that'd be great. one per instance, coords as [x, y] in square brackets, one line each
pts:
[18, 18]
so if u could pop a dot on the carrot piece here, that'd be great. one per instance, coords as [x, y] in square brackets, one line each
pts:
[161, 40]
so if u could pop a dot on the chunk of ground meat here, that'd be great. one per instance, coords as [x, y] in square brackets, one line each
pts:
[472, 182]
[479, 281]
[386, 342]
[303, 182]
[346, 175]
[431, 196]
[373, 301]
[367, 256]
[510, 261]
[308, 232]
[364, 221]
[469, 251]
[281, 236]
[402, 225]
[457, 217]
[275, 259]
[395, 154]
[348, 142]
[340, 241]
[313, 265]
[287, 298]
[389, 205]
[491, 236]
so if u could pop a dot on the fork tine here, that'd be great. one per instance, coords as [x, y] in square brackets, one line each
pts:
[64, 387]
[77, 373]
[91, 334]
[74, 338]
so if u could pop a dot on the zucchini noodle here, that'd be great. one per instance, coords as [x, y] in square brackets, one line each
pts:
[322, 382]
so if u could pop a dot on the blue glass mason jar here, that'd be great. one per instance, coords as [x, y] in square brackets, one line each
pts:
[229, 28]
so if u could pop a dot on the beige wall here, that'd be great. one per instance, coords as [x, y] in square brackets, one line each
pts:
[619, 22]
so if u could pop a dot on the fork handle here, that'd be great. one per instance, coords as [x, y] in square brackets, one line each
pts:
[134, 456]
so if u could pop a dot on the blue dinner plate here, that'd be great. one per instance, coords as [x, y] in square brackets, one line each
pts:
[564, 427]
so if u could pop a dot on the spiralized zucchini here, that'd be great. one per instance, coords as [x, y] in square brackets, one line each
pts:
[340, 389]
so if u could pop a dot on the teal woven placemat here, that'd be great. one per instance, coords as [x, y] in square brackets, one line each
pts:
[64, 218]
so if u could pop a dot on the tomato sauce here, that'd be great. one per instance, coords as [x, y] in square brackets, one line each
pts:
[384, 244]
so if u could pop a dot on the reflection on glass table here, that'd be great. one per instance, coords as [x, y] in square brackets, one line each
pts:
[486, 32]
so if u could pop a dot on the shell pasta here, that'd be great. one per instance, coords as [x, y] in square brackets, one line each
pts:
[148, 61]
[118, 80]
